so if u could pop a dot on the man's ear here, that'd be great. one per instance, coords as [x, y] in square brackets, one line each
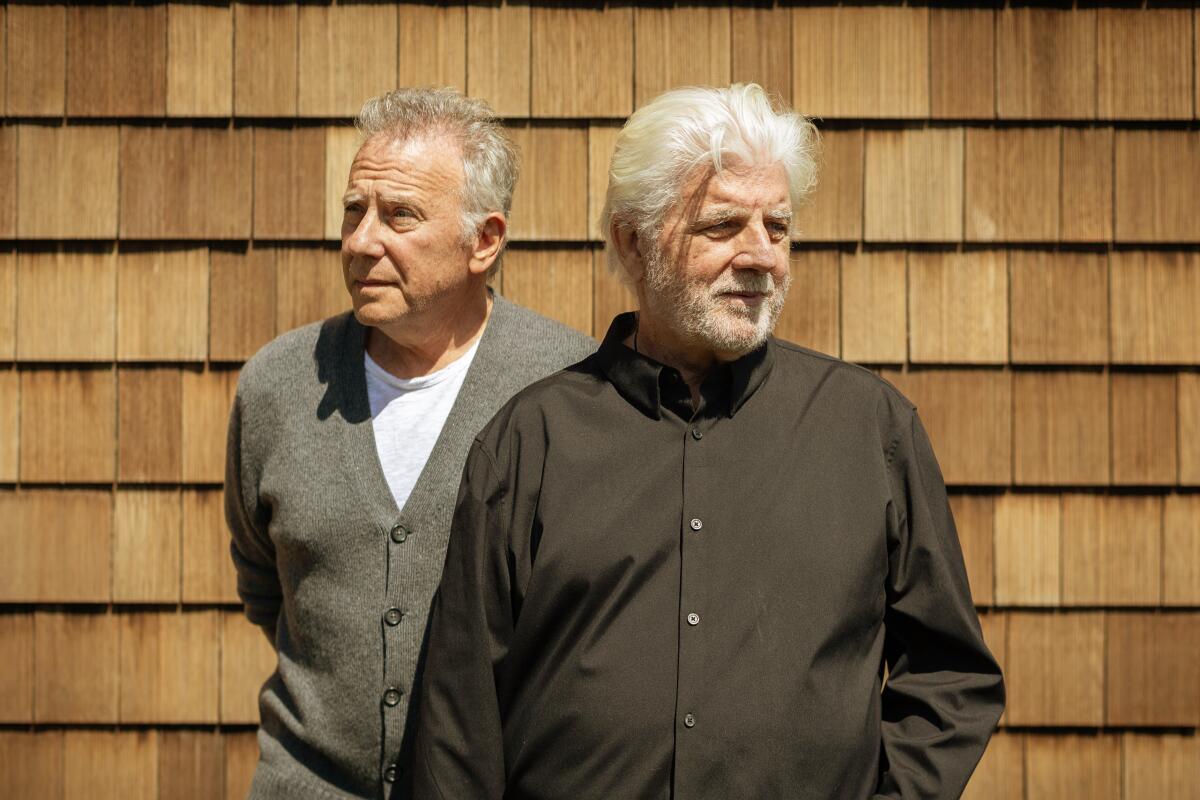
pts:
[488, 241]
[629, 250]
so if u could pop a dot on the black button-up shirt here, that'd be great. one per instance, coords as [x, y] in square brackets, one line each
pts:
[646, 600]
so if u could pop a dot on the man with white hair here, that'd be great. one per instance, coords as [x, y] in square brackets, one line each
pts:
[682, 567]
[347, 441]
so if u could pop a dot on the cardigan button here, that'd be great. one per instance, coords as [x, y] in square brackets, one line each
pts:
[399, 534]
[391, 697]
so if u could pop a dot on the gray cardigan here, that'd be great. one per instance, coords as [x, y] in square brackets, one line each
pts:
[338, 577]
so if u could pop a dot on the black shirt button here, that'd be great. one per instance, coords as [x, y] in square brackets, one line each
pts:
[399, 534]
[689, 720]
[389, 774]
[393, 616]
[697, 434]
[391, 697]
[697, 524]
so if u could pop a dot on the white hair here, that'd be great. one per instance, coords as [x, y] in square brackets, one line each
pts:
[666, 140]
[490, 165]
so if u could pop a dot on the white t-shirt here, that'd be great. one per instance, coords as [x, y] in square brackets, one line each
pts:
[407, 415]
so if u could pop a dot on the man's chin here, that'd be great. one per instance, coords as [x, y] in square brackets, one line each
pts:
[376, 314]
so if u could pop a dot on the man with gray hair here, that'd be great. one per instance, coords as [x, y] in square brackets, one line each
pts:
[347, 440]
[704, 563]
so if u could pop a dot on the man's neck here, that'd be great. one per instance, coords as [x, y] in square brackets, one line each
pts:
[692, 363]
[416, 347]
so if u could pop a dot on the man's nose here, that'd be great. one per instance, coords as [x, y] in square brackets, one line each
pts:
[364, 239]
[756, 251]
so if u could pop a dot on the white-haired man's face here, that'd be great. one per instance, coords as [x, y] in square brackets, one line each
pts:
[719, 272]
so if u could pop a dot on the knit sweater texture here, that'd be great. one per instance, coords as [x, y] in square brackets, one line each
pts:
[338, 577]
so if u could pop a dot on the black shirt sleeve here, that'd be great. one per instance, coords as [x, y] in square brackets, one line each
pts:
[459, 747]
[944, 691]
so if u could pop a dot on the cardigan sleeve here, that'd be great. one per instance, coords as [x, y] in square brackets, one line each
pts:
[944, 691]
[251, 548]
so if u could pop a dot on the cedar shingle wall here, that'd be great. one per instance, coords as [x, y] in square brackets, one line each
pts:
[1007, 227]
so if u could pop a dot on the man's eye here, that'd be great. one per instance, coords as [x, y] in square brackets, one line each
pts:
[720, 228]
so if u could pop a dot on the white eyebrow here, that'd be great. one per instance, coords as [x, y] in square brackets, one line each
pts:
[779, 215]
[352, 197]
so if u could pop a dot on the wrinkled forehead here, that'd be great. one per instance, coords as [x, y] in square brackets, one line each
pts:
[740, 186]
[424, 158]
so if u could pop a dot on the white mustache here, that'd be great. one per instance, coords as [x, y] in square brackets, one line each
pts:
[759, 283]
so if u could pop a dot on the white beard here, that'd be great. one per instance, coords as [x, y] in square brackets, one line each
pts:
[700, 315]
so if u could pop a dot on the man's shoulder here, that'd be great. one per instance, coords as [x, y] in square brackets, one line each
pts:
[292, 356]
[537, 339]
[850, 381]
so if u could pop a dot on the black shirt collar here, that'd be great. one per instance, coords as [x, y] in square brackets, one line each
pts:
[646, 383]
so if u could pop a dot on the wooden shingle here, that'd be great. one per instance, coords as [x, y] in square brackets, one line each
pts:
[334, 78]
[8, 181]
[1181, 550]
[962, 63]
[1144, 58]
[1156, 172]
[8, 305]
[1055, 669]
[811, 316]
[62, 641]
[1060, 428]
[555, 283]
[761, 48]
[208, 574]
[1059, 307]
[551, 201]
[1028, 545]
[242, 305]
[1086, 212]
[53, 162]
[601, 140]
[207, 397]
[968, 415]
[199, 60]
[55, 546]
[37, 60]
[241, 760]
[110, 765]
[68, 425]
[1189, 428]
[150, 427]
[169, 666]
[874, 307]
[1155, 295]
[1072, 765]
[1012, 184]
[498, 59]
[564, 44]
[679, 46]
[341, 146]
[958, 307]
[1161, 765]
[974, 520]
[31, 763]
[610, 295]
[914, 185]
[116, 60]
[68, 305]
[433, 45]
[1111, 550]
[162, 305]
[861, 61]
[1143, 428]
[308, 286]
[185, 182]
[834, 211]
[264, 56]
[1000, 774]
[1046, 63]
[10, 438]
[146, 542]
[16, 648]
[1151, 660]
[247, 660]
[191, 764]
[289, 182]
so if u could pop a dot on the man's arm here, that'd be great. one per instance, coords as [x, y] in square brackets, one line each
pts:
[944, 691]
[460, 747]
[251, 547]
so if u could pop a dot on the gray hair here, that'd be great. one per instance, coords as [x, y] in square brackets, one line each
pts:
[664, 141]
[490, 164]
